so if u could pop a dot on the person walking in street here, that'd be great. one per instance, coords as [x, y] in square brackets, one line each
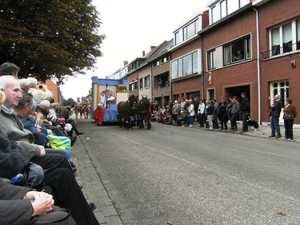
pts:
[289, 115]
[244, 111]
[275, 114]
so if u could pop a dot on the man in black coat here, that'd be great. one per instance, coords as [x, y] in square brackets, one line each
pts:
[244, 111]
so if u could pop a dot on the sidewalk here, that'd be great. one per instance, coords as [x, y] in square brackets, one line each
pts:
[264, 131]
[93, 188]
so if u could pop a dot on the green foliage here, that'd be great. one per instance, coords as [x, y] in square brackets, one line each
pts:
[70, 102]
[50, 38]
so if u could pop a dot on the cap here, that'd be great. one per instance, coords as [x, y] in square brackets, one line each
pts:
[176, 101]
[244, 93]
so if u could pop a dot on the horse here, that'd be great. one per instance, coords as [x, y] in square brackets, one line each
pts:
[127, 110]
[144, 113]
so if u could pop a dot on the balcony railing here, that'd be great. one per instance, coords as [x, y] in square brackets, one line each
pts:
[277, 50]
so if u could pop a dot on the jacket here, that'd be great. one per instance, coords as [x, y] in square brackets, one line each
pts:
[245, 105]
[276, 108]
[289, 110]
[13, 129]
[12, 158]
[13, 208]
[235, 108]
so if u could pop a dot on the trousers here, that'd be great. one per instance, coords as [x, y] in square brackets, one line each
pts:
[53, 159]
[54, 216]
[67, 194]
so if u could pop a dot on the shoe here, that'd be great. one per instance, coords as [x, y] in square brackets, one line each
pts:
[271, 136]
[73, 140]
[191, 126]
[277, 136]
[74, 169]
[92, 206]
[79, 133]
[210, 128]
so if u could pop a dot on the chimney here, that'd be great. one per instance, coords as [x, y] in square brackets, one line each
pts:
[125, 63]
[143, 53]
[152, 47]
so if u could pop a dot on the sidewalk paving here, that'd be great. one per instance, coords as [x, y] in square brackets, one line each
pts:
[94, 189]
[264, 131]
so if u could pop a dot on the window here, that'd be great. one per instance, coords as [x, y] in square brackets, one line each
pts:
[220, 9]
[188, 30]
[185, 66]
[215, 14]
[211, 59]
[135, 85]
[165, 59]
[298, 34]
[285, 38]
[223, 9]
[178, 37]
[141, 83]
[147, 81]
[131, 86]
[236, 51]
[233, 6]
[156, 63]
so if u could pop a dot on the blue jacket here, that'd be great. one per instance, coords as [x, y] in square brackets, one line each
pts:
[29, 124]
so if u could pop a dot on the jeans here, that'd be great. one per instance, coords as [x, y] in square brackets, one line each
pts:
[191, 120]
[244, 120]
[288, 125]
[233, 122]
[275, 126]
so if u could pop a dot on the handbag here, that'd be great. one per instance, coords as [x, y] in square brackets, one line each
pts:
[32, 176]
[289, 116]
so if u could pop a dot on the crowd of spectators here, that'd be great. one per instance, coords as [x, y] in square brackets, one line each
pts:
[27, 113]
[206, 112]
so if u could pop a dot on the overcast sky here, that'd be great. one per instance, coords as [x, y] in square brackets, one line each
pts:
[131, 27]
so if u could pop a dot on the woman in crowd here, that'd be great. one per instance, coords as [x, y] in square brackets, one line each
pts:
[289, 115]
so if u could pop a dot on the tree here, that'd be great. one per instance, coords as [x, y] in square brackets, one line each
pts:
[50, 38]
[70, 102]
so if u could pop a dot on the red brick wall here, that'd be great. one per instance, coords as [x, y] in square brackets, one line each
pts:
[240, 74]
[278, 68]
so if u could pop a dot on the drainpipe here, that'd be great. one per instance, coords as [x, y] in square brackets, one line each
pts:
[258, 66]
[202, 67]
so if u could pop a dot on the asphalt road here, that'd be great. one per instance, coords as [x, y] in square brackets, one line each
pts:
[192, 176]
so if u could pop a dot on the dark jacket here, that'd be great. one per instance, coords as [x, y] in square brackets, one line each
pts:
[12, 158]
[276, 108]
[14, 209]
[245, 105]
[210, 109]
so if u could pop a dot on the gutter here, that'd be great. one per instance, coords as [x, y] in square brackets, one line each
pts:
[258, 66]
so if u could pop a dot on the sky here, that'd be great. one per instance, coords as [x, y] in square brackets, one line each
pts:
[131, 27]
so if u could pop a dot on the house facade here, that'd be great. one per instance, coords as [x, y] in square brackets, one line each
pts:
[279, 52]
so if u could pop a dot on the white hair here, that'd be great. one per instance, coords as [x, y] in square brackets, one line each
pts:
[32, 82]
[23, 82]
[44, 103]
